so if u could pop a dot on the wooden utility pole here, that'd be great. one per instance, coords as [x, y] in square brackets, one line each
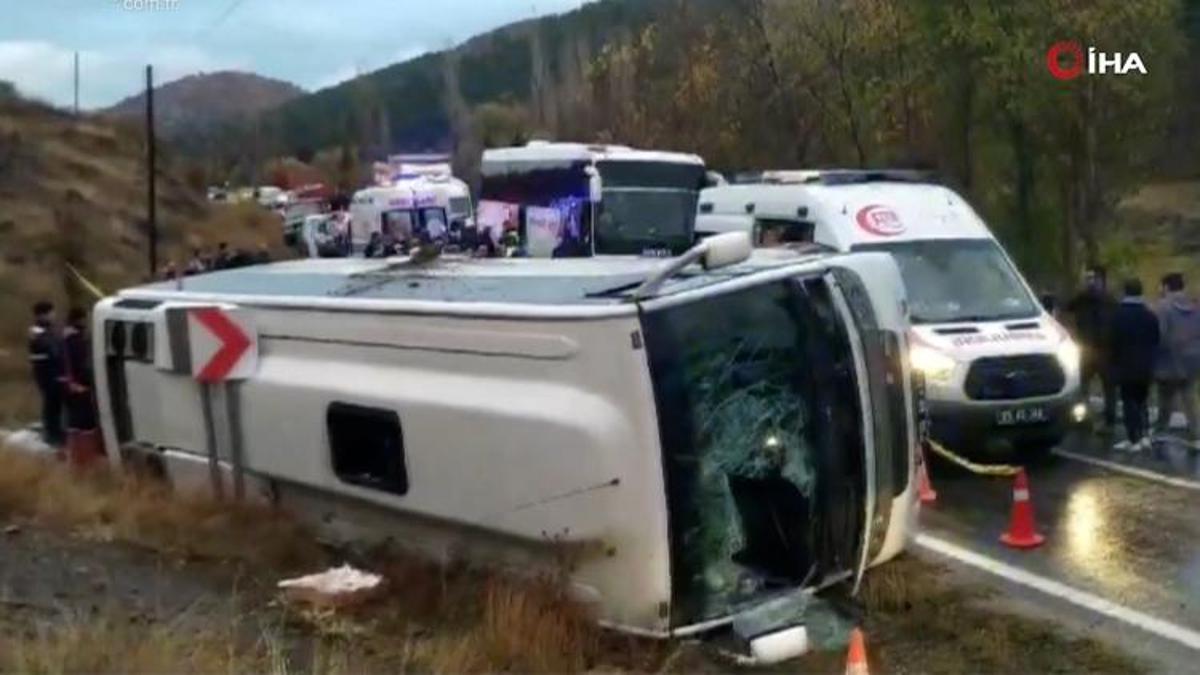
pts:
[151, 212]
[77, 84]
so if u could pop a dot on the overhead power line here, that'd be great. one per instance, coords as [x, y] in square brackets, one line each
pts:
[229, 10]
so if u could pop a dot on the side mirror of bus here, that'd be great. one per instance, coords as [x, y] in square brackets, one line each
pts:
[727, 249]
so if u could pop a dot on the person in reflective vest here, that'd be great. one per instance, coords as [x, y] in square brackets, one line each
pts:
[46, 362]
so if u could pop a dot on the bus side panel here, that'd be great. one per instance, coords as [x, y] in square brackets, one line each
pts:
[531, 437]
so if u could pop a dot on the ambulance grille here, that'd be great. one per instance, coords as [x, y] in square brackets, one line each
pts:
[1007, 378]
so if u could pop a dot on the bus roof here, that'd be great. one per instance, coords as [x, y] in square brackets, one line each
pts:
[543, 154]
[452, 280]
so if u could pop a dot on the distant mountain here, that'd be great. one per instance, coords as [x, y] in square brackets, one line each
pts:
[197, 102]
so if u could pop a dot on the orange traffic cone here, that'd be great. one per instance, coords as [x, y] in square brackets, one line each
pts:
[84, 448]
[1022, 533]
[925, 488]
[856, 659]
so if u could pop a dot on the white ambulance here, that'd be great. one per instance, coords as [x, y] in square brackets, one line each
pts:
[410, 199]
[1001, 373]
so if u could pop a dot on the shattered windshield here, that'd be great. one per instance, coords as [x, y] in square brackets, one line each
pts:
[760, 427]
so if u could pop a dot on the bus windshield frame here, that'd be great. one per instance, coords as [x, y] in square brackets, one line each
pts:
[765, 455]
[647, 206]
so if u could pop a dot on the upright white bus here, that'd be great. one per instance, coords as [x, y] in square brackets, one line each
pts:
[577, 200]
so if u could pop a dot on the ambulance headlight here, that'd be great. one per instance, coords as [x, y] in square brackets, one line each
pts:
[935, 365]
[1068, 355]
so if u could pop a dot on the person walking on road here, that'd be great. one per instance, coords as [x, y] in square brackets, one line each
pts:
[46, 361]
[1178, 358]
[1092, 313]
[1134, 339]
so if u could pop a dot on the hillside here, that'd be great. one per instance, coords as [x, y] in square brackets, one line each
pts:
[430, 102]
[196, 102]
[1158, 231]
[495, 66]
[73, 191]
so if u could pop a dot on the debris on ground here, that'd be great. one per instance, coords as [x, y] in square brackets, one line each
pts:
[26, 440]
[337, 587]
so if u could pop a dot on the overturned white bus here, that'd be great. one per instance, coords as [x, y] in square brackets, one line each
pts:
[703, 437]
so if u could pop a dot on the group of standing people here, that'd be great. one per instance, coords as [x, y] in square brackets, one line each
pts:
[223, 258]
[60, 359]
[1134, 346]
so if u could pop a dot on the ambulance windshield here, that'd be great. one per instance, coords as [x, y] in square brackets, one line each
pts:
[958, 280]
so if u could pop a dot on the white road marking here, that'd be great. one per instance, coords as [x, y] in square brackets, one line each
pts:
[1080, 598]
[1138, 472]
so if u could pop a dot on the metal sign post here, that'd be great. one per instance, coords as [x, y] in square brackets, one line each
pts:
[211, 445]
[217, 346]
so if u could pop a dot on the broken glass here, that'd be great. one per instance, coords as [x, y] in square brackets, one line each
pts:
[745, 386]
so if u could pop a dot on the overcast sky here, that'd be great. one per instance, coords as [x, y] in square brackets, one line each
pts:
[313, 43]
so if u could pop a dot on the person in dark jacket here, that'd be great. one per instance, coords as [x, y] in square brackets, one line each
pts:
[1092, 313]
[223, 258]
[46, 362]
[79, 380]
[1135, 339]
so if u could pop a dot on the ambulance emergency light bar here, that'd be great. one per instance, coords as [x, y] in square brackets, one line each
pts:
[423, 164]
[835, 177]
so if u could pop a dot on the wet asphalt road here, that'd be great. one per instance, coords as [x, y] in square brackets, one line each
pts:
[1128, 539]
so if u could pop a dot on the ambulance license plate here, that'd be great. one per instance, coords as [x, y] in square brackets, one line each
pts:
[1015, 417]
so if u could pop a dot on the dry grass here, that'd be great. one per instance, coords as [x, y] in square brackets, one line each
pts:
[920, 623]
[111, 644]
[442, 619]
[431, 619]
[530, 627]
[18, 398]
[1167, 197]
[144, 512]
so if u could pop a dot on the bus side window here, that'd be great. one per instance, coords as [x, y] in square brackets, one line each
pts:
[769, 232]
[367, 447]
